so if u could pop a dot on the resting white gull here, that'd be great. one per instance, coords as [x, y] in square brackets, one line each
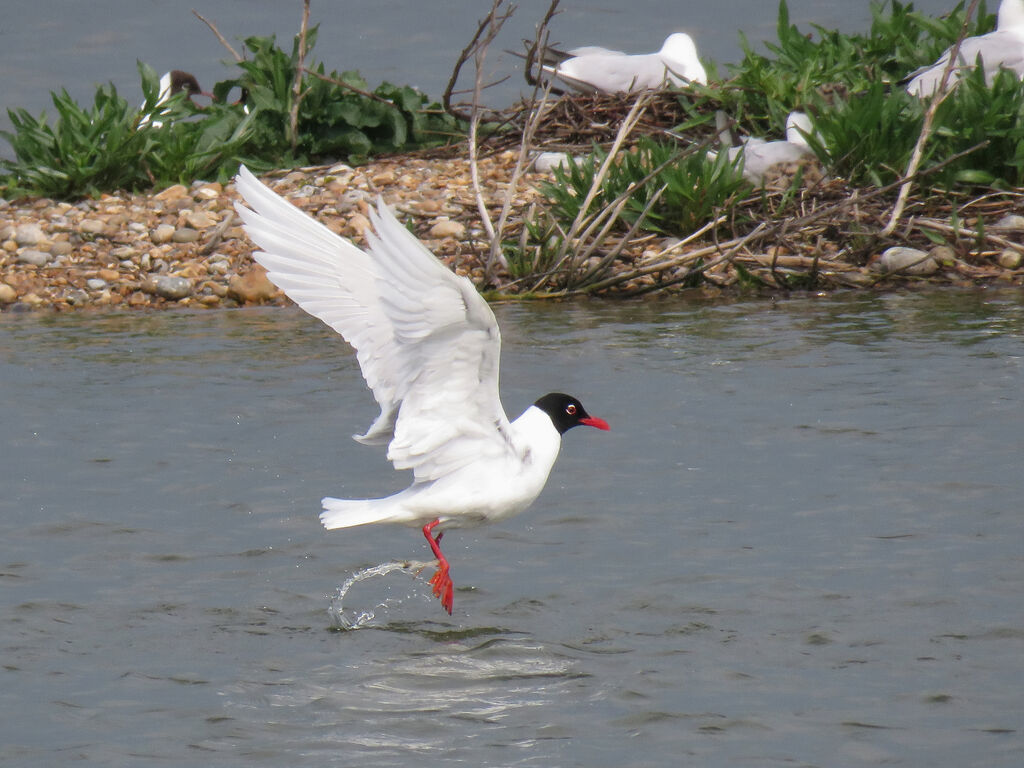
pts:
[175, 81]
[1001, 49]
[759, 156]
[592, 69]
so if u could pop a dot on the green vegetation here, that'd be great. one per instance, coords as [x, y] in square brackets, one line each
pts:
[85, 151]
[690, 189]
[866, 129]
[806, 70]
[867, 123]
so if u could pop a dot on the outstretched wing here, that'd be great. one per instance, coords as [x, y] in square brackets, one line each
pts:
[427, 343]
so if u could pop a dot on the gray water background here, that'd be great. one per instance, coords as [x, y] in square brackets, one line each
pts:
[802, 543]
[77, 45]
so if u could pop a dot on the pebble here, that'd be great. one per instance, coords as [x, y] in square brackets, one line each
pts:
[185, 235]
[93, 226]
[906, 261]
[209, 192]
[200, 219]
[32, 256]
[447, 228]
[359, 223]
[123, 253]
[1010, 259]
[77, 297]
[546, 162]
[252, 287]
[172, 287]
[29, 234]
[1009, 221]
[175, 192]
[162, 234]
[140, 239]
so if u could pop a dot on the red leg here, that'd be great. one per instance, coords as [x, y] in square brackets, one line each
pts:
[441, 581]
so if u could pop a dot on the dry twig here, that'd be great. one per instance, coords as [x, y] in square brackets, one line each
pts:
[492, 21]
[347, 86]
[926, 128]
[486, 32]
[213, 28]
[297, 92]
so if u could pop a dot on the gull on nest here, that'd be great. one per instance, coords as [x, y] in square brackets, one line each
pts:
[592, 69]
[759, 155]
[1000, 49]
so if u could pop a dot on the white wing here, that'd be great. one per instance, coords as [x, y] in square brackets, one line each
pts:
[591, 50]
[1002, 48]
[612, 72]
[426, 341]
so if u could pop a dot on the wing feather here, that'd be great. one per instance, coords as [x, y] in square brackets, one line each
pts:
[426, 341]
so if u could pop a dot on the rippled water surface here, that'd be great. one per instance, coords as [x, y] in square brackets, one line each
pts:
[801, 544]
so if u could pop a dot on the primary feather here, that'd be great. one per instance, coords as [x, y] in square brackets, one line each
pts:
[427, 343]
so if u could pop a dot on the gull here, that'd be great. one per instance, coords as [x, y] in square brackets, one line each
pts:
[592, 69]
[175, 81]
[428, 346]
[1001, 49]
[760, 156]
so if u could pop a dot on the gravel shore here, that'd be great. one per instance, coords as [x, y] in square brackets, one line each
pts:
[184, 246]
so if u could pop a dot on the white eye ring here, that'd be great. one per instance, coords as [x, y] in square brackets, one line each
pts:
[570, 409]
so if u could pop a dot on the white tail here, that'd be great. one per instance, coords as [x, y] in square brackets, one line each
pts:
[346, 513]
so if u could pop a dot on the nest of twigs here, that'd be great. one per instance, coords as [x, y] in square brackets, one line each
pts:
[804, 229]
[579, 121]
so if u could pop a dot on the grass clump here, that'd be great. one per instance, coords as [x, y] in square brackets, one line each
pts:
[338, 115]
[85, 151]
[874, 147]
[690, 188]
[804, 69]
[979, 135]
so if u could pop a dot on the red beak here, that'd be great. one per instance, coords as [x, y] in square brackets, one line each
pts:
[591, 421]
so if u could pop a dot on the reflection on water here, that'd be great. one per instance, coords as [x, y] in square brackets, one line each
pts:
[802, 544]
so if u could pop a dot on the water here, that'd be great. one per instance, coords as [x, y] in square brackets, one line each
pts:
[394, 603]
[801, 544]
[404, 41]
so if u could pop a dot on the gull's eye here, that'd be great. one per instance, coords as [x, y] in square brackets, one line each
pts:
[570, 409]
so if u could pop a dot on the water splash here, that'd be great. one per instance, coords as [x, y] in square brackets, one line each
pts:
[354, 618]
